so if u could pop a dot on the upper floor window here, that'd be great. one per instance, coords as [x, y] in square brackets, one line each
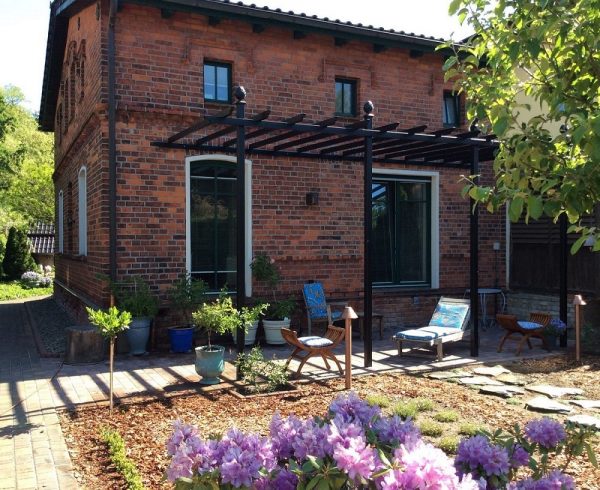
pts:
[345, 97]
[217, 81]
[61, 222]
[451, 109]
[82, 205]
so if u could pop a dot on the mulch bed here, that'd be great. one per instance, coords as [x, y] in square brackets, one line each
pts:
[146, 424]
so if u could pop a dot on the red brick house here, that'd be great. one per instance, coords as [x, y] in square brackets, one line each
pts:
[123, 75]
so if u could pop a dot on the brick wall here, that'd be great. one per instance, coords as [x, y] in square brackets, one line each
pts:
[159, 92]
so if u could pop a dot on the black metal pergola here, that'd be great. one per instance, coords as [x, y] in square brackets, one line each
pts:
[356, 142]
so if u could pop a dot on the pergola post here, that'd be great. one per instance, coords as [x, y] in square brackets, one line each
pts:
[562, 264]
[240, 95]
[474, 259]
[368, 222]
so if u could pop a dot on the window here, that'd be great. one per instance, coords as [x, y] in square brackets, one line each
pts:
[402, 231]
[217, 82]
[345, 97]
[61, 222]
[451, 109]
[212, 221]
[82, 211]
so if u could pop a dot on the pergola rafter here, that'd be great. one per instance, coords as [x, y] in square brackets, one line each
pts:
[325, 141]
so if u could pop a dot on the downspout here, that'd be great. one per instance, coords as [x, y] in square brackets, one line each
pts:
[112, 145]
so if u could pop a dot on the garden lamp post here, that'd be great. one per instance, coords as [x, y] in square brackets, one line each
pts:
[348, 315]
[578, 302]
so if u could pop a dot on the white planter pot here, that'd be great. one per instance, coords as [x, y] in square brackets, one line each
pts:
[250, 335]
[273, 330]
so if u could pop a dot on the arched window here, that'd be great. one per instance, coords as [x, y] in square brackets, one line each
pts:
[61, 222]
[82, 211]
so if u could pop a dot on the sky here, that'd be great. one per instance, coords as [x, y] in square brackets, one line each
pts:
[24, 30]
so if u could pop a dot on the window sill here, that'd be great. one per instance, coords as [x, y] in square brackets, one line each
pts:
[72, 257]
[217, 103]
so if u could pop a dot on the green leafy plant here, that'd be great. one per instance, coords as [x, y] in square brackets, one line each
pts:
[109, 324]
[431, 429]
[218, 317]
[261, 375]
[265, 270]
[251, 314]
[424, 404]
[282, 309]
[470, 429]
[17, 258]
[118, 456]
[446, 416]
[186, 294]
[134, 295]
[448, 444]
[405, 410]
[378, 400]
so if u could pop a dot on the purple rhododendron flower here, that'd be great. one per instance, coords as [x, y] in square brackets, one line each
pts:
[395, 431]
[283, 480]
[546, 432]
[311, 439]
[478, 456]
[181, 466]
[555, 480]
[283, 431]
[519, 457]
[181, 432]
[424, 467]
[354, 409]
[350, 449]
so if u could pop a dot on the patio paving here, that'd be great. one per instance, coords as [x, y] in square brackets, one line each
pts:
[33, 452]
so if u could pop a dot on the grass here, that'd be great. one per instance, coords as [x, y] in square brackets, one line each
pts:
[431, 429]
[16, 290]
[446, 416]
[118, 455]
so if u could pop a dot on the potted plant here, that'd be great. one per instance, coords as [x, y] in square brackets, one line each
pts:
[555, 328]
[218, 317]
[249, 321]
[279, 312]
[134, 296]
[186, 294]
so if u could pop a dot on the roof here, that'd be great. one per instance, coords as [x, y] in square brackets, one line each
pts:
[41, 237]
[61, 10]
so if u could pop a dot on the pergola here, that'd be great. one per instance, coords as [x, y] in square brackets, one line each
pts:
[357, 142]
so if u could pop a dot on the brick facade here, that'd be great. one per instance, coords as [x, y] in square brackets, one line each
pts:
[159, 91]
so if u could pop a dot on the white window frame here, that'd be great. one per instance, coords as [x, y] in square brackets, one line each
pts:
[248, 217]
[61, 222]
[82, 210]
[435, 214]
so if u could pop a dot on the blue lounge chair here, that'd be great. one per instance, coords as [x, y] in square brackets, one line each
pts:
[448, 323]
[317, 308]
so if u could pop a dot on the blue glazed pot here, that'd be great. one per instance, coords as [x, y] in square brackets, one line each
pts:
[210, 363]
[181, 339]
[138, 334]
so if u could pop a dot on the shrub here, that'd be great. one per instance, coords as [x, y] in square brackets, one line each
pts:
[118, 455]
[378, 400]
[446, 416]
[17, 259]
[405, 410]
[261, 375]
[431, 429]
[31, 279]
[448, 444]
[424, 404]
[469, 429]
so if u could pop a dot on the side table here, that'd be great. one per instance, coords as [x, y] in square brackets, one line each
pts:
[376, 316]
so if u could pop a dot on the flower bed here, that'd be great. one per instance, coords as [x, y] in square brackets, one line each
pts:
[355, 444]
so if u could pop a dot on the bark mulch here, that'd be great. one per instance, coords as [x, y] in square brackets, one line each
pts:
[146, 424]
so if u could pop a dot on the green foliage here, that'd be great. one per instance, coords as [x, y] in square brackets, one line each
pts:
[26, 163]
[469, 429]
[16, 290]
[261, 375]
[219, 317]
[134, 296]
[279, 310]
[251, 314]
[530, 69]
[17, 258]
[446, 416]
[379, 400]
[111, 322]
[265, 270]
[118, 456]
[431, 429]
[186, 294]
[448, 444]
[424, 404]
[405, 410]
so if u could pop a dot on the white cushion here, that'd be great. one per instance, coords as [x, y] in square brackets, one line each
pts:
[314, 341]
[425, 333]
[529, 325]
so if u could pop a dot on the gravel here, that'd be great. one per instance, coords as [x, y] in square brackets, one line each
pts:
[50, 321]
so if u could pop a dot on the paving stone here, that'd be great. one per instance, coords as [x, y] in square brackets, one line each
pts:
[505, 391]
[512, 379]
[481, 380]
[587, 404]
[554, 391]
[491, 370]
[587, 420]
[442, 375]
[545, 404]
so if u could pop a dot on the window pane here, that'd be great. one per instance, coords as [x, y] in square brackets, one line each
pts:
[412, 242]
[382, 234]
[202, 225]
[450, 110]
[347, 98]
[209, 82]
[339, 97]
[222, 83]
[225, 249]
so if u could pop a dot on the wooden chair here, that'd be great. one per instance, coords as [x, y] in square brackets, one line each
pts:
[307, 347]
[317, 308]
[448, 323]
[534, 328]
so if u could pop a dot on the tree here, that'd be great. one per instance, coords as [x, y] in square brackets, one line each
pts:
[532, 67]
[26, 162]
[17, 258]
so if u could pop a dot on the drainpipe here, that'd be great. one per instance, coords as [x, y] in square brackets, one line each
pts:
[112, 144]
